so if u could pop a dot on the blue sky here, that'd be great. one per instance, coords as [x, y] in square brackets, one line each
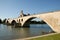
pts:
[12, 8]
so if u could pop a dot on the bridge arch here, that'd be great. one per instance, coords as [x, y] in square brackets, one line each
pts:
[13, 22]
[7, 22]
[27, 22]
[30, 18]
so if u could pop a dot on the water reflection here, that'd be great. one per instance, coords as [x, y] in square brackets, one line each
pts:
[8, 32]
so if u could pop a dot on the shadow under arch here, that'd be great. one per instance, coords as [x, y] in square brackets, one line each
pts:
[13, 22]
[7, 22]
[27, 22]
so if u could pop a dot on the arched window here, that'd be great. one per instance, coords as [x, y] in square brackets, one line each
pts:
[17, 20]
[21, 19]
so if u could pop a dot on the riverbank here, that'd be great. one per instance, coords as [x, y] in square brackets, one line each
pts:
[49, 37]
[52, 36]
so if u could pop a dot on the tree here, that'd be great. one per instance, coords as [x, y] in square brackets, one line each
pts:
[4, 20]
[0, 21]
[43, 22]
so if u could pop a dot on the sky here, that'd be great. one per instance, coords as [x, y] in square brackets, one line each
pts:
[12, 8]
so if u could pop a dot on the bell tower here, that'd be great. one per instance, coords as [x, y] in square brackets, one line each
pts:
[21, 14]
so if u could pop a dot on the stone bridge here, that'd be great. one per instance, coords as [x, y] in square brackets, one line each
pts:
[51, 18]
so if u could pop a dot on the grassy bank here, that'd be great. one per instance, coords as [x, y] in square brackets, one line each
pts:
[50, 37]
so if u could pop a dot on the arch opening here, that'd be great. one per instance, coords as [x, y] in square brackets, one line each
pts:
[4, 21]
[31, 21]
[27, 22]
[19, 20]
[13, 22]
[7, 22]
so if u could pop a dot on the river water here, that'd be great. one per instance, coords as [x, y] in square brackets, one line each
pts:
[9, 33]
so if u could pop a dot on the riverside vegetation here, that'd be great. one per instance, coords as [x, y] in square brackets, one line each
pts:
[50, 37]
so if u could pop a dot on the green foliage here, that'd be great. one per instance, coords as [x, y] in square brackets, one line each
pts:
[0, 21]
[51, 37]
[4, 20]
[37, 22]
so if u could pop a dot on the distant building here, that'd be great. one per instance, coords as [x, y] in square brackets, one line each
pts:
[22, 14]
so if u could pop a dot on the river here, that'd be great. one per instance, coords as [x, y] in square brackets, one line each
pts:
[9, 33]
